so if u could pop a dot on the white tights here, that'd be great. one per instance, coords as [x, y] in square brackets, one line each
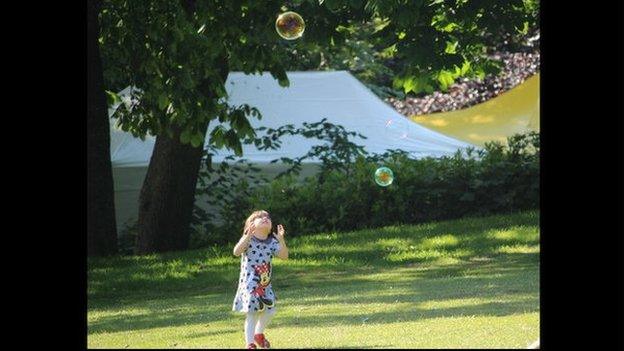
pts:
[255, 322]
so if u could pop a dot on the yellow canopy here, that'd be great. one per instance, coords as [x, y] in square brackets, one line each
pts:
[514, 111]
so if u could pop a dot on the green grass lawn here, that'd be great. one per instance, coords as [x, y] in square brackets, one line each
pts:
[469, 283]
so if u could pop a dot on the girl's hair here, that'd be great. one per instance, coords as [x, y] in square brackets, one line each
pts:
[252, 217]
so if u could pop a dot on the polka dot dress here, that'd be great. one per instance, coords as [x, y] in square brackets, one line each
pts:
[255, 292]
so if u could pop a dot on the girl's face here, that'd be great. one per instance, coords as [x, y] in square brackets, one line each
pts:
[263, 223]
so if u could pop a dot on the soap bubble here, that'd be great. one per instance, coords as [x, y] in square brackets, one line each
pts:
[290, 25]
[384, 176]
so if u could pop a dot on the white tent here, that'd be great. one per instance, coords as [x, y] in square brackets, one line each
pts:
[311, 96]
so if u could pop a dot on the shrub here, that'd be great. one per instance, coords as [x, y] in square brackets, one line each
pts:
[343, 195]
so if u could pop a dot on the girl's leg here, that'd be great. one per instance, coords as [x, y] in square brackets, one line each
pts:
[250, 325]
[263, 319]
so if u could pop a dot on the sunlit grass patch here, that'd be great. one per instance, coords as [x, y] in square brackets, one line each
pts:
[468, 283]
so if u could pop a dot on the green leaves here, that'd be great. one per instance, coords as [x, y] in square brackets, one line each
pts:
[410, 84]
[333, 5]
[446, 79]
[279, 73]
[185, 136]
[465, 68]
[468, 197]
[217, 137]
[479, 73]
[415, 84]
[239, 121]
[346, 29]
[220, 137]
[380, 24]
[233, 142]
[389, 52]
[525, 28]
[186, 80]
[197, 139]
[163, 101]
[449, 27]
[492, 67]
[451, 47]
[180, 60]
[112, 98]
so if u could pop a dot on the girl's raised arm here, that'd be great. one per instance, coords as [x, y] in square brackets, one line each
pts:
[243, 243]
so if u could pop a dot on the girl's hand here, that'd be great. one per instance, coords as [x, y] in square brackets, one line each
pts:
[280, 232]
[251, 229]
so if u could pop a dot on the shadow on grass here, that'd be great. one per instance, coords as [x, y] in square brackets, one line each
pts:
[188, 276]
[488, 281]
[497, 309]
[178, 288]
[200, 335]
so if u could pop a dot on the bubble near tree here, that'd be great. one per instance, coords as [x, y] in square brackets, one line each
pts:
[290, 25]
[384, 176]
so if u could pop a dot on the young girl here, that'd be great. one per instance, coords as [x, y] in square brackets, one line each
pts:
[255, 296]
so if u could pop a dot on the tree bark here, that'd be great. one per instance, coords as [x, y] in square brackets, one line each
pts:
[167, 196]
[101, 224]
[168, 192]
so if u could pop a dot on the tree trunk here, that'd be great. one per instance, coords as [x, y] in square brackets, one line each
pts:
[167, 196]
[101, 224]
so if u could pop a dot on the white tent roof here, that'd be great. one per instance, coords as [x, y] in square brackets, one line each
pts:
[311, 96]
